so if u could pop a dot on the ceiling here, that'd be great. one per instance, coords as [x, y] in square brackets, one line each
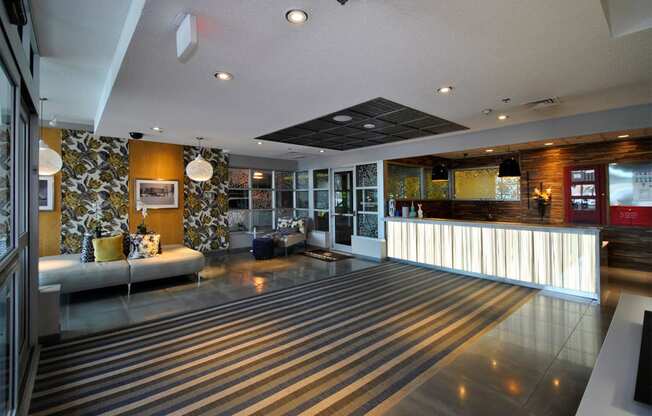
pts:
[285, 75]
[77, 41]
[374, 122]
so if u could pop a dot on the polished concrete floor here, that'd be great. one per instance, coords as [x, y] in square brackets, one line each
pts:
[225, 278]
[536, 362]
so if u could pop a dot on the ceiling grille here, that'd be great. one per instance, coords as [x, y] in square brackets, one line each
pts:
[392, 122]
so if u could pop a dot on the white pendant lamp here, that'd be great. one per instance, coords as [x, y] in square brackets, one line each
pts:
[49, 161]
[199, 170]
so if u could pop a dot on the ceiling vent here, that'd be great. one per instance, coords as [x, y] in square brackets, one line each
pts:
[294, 155]
[543, 103]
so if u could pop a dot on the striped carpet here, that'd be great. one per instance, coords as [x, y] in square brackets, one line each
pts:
[349, 344]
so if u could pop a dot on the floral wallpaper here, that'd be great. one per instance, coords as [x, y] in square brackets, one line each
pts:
[206, 203]
[94, 186]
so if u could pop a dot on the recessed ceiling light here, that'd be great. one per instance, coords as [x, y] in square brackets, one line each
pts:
[223, 76]
[369, 126]
[444, 90]
[489, 150]
[487, 111]
[503, 117]
[259, 143]
[157, 129]
[342, 118]
[322, 151]
[296, 16]
[623, 136]
[548, 144]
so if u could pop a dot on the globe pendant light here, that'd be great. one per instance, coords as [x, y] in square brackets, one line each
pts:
[509, 168]
[49, 161]
[199, 170]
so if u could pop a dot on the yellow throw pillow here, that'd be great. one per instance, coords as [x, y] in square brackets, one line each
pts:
[108, 248]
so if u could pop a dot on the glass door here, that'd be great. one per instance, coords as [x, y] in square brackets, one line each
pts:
[343, 209]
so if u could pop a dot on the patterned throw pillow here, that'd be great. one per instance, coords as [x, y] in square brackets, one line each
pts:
[144, 245]
[87, 252]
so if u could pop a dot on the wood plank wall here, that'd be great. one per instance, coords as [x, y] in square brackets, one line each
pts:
[151, 160]
[628, 247]
[49, 222]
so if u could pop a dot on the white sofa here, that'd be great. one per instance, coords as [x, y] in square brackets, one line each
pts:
[75, 276]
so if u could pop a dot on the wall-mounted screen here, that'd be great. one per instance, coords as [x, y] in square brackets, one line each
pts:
[630, 184]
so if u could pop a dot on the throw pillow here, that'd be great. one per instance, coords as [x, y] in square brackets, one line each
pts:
[144, 245]
[108, 248]
[87, 252]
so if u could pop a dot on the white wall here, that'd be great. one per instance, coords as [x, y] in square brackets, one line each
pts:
[240, 161]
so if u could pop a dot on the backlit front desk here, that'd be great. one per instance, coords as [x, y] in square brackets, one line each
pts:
[563, 259]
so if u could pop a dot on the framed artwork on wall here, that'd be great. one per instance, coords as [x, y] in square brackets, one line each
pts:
[46, 193]
[157, 194]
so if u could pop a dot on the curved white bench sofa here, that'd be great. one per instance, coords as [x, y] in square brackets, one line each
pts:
[75, 276]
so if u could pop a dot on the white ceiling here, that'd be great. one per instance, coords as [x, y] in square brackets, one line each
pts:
[344, 55]
[77, 40]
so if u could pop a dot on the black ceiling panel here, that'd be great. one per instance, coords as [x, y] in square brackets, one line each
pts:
[392, 122]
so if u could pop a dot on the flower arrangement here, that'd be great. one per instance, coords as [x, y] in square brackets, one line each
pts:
[543, 199]
[142, 228]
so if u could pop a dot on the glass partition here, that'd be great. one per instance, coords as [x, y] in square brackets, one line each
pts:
[484, 184]
[404, 182]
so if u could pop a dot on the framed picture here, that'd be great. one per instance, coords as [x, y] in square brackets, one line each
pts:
[156, 194]
[46, 193]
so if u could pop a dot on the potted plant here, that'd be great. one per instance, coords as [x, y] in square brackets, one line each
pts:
[142, 229]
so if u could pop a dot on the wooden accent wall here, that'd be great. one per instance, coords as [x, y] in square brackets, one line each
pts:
[49, 222]
[151, 160]
[628, 246]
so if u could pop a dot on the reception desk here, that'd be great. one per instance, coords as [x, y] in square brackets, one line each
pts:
[563, 259]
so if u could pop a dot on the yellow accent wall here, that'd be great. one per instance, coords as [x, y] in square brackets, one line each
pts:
[152, 160]
[49, 241]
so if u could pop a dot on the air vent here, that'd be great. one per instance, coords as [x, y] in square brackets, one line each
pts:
[295, 155]
[543, 103]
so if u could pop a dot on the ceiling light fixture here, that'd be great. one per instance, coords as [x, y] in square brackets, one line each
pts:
[623, 136]
[53, 122]
[548, 144]
[296, 16]
[322, 151]
[258, 175]
[509, 168]
[503, 117]
[223, 76]
[369, 126]
[439, 173]
[487, 111]
[157, 129]
[444, 90]
[259, 143]
[506, 100]
[49, 161]
[342, 118]
[199, 170]
[489, 150]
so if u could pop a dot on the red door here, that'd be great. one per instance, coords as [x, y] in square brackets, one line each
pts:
[584, 199]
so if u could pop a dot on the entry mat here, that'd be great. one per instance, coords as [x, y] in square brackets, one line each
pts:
[343, 345]
[326, 255]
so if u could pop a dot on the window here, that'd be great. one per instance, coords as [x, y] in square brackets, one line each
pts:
[302, 194]
[6, 164]
[321, 197]
[366, 179]
[239, 216]
[484, 184]
[284, 194]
